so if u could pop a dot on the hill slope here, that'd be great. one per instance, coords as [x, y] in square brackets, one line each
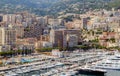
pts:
[115, 4]
[54, 7]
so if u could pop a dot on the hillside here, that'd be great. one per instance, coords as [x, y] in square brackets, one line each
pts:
[10, 6]
[54, 7]
[115, 4]
[78, 6]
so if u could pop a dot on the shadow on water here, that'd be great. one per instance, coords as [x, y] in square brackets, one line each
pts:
[109, 73]
[90, 75]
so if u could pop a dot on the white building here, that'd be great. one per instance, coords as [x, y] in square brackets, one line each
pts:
[57, 53]
[26, 47]
[72, 40]
[54, 22]
[4, 48]
[9, 18]
[44, 44]
[7, 36]
[47, 44]
[19, 30]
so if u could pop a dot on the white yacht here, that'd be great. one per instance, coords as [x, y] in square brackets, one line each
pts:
[112, 62]
[70, 73]
[108, 65]
[2, 73]
[19, 71]
[36, 75]
[10, 73]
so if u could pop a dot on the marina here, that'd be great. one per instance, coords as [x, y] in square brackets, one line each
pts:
[59, 38]
[72, 65]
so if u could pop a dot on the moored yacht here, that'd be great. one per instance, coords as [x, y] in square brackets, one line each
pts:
[90, 70]
[108, 65]
[112, 63]
[69, 73]
[19, 71]
[10, 73]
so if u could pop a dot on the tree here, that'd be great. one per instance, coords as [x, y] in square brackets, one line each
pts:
[44, 49]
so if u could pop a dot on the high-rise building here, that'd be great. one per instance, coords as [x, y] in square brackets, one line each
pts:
[33, 31]
[19, 30]
[56, 37]
[72, 40]
[9, 18]
[18, 19]
[1, 18]
[61, 38]
[41, 21]
[7, 36]
[84, 23]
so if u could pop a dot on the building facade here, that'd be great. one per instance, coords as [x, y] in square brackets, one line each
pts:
[7, 36]
[64, 37]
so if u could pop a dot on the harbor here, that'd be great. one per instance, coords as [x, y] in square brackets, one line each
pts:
[75, 63]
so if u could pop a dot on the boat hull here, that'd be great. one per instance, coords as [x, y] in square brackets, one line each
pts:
[91, 72]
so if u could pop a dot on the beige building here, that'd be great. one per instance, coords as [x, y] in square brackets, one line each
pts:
[43, 44]
[26, 43]
[19, 30]
[60, 37]
[7, 36]
[5, 48]
[54, 22]
[9, 18]
[77, 24]
[72, 40]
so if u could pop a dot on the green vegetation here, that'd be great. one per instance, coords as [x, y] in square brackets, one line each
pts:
[111, 40]
[115, 4]
[97, 46]
[35, 6]
[69, 18]
[90, 46]
[27, 29]
[54, 7]
[113, 48]
[49, 49]
[94, 41]
[84, 47]
[44, 50]
[99, 32]
[13, 52]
